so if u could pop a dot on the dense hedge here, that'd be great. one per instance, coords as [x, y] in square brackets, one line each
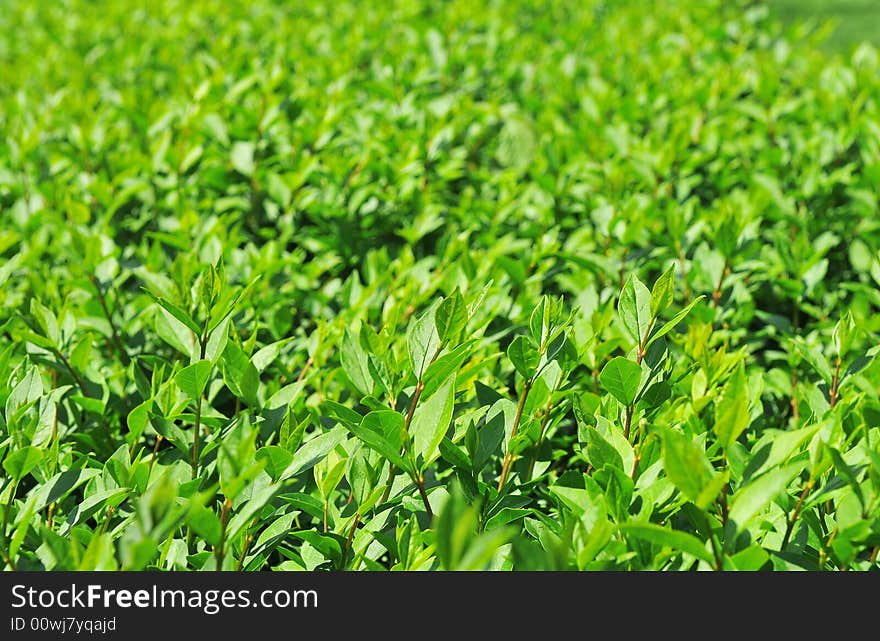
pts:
[352, 286]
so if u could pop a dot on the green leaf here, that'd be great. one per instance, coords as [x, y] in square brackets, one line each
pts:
[176, 334]
[524, 356]
[275, 459]
[332, 478]
[244, 515]
[516, 144]
[28, 390]
[341, 413]
[459, 545]
[382, 431]
[89, 404]
[732, 408]
[23, 521]
[686, 465]
[675, 539]
[312, 451]
[539, 322]
[217, 340]
[578, 500]
[444, 367]
[782, 444]
[47, 320]
[847, 472]
[275, 532]
[634, 308]
[663, 291]
[291, 433]
[206, 524]
[752, 558]
[817, 361]
[193, 379]
[355, 364]
[454, 455]
[217, 127]
[422, 341]
[843, 334]
[598, 451]
[170, 431]
[92, 503]
[61, 485]
[242, 157]
[621, 377]
[176, 312]
[431, 420]
[359, 475]
[329, 547]
[506, 515]
[227, 301]
[36, 339]
[286, 395]
[264, 356]
[22, 461]
[451, 317]
[614, 436]
[712, 489]
[670, 325]
[755, 496]
[240, 375]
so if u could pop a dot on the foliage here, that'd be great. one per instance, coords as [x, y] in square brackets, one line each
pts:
[419, 285]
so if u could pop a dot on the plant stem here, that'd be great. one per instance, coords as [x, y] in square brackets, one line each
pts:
[420, 385]
[8, 559]
[244, 550]
[831, 537]
[540, 442]
[153, 458]
[349, 539]
[107, 517]
[420, 483]
[630, 409]
[196, 434]
[716, 295]
[789, 528]
[6, 556]
[203, 343]
[719, 565]
[640, 355]
[637, 458]
[305, 369]
[725, 510]
[508, 457]
[55, 417]
[76, 377]
[627, 424]
[409, 416]
[833, 397]
[117, 342]
[412, 406]
[795, 409]
[220, 551]
[8, 509]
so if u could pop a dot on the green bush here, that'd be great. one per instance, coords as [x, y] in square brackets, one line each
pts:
[506, 285]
